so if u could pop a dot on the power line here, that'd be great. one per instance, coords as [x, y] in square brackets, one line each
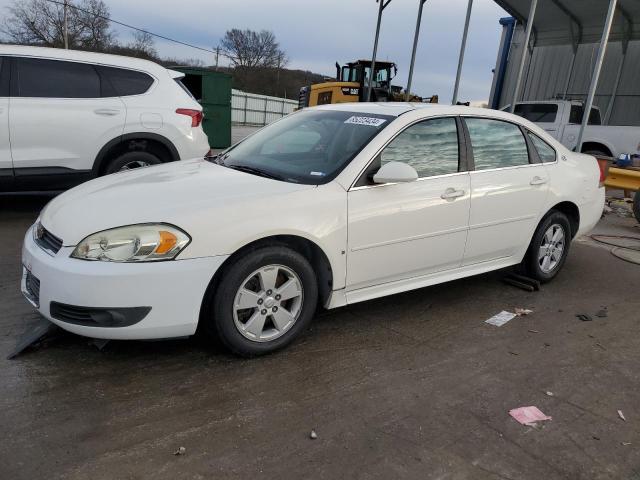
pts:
[70, 5]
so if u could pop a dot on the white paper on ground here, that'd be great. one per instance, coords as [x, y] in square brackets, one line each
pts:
[501, 318]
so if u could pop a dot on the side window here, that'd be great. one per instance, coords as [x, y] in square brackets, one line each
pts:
[576, 112]
[545, 151]
[57, 79]
[537, 112]
[126, 82]
[4, 77]
[431, 147]
[496, 144]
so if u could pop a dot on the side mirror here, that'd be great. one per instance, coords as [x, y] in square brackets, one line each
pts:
[395, 172]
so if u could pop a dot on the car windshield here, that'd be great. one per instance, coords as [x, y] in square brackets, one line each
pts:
[310, 146]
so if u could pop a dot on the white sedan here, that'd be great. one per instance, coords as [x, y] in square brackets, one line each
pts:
[329, 206]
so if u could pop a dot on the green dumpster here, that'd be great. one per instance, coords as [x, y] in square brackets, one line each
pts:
[213, 91]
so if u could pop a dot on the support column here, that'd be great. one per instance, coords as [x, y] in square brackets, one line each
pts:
[383, 4]
[525, 46]
[461, 57]
[596, 71]
[415, 46]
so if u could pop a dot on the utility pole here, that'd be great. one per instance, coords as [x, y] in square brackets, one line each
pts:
[66, 26]
[217, 55]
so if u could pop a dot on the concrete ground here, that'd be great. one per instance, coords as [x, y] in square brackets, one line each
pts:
[410, 386]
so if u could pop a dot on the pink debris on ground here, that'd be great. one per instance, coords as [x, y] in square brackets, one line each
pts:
[528, 415]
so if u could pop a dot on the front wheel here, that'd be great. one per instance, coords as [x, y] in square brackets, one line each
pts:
[549, 247]
[263, 302]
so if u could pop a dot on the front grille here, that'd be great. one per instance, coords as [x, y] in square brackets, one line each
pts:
[32, 286]
[47, 240]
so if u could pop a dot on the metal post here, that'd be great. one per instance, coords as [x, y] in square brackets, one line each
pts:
[566, 83]
[525, 47]
[415, 46]
[461, 57]
[375, 47]
[265, 110]
[612, 100]
[66, 27]
[596, 71]
[246, 100]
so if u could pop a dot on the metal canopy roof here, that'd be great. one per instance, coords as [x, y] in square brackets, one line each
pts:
[562, 22]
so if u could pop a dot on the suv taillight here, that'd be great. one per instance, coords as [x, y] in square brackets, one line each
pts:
[196, 115]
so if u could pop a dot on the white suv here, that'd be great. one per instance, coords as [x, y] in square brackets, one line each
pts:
[67, 116]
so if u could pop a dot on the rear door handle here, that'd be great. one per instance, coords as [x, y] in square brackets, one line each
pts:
[451, 193]
[537, 181]
[107, 112]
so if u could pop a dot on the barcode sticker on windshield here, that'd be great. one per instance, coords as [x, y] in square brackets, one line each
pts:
[370, 121]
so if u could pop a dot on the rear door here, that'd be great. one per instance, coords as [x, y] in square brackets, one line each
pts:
[59, 119]
[6, 165]
[509, 186]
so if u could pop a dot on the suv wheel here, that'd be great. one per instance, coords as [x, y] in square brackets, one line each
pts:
[263, 302]
[130, 161]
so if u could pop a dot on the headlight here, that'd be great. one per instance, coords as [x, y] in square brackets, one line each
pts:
[135, 243]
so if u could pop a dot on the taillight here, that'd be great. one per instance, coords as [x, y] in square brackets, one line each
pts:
[196, 115]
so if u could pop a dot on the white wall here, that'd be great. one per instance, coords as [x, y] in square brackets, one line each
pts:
[252, 109]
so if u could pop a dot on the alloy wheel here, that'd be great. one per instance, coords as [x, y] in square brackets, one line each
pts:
[551, 248]
[268, 303]
[134, 164]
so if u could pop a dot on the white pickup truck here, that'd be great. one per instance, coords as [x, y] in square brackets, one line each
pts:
[561, 118]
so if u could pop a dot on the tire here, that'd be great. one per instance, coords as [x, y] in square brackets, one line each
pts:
[245, 312]
[130, 161]
[636, 205]
[597, 153]
[534, 265]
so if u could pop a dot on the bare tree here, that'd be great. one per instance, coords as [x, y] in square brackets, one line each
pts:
[143, 45]
[39, 22]
[249, 49]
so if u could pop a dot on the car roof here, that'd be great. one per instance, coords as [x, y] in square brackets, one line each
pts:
[81, 56]
[398, 108]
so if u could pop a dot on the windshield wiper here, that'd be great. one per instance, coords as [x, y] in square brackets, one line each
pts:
[255, 171]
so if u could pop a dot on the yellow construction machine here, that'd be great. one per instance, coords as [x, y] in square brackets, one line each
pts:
[352, 83]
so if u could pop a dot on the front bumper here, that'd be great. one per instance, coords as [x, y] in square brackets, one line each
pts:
[173, 290]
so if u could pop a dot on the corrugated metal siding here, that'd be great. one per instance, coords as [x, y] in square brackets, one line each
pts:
[252, 109]
[547, 69]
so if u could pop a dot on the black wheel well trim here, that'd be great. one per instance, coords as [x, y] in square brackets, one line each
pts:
[586, 146]
[103, 154]
[307, 248]
[571, 211]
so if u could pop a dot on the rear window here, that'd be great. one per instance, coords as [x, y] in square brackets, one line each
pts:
[126, 82]
[575, 116]
[537, 112]
[56, 79]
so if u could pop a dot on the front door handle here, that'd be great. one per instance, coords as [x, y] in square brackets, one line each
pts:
[108, 112]
[537, 181]
[451, 193]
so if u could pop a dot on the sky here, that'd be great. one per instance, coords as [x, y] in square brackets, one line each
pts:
[316, 34]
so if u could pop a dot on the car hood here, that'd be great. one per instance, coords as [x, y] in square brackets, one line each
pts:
[175, 193]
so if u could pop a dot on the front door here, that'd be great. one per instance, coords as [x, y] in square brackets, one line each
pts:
[6, 165]
[403, 230]
[508, 191]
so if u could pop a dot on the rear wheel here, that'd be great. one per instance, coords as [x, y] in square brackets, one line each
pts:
[263, 301]
[131, 161]
[549, 247]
